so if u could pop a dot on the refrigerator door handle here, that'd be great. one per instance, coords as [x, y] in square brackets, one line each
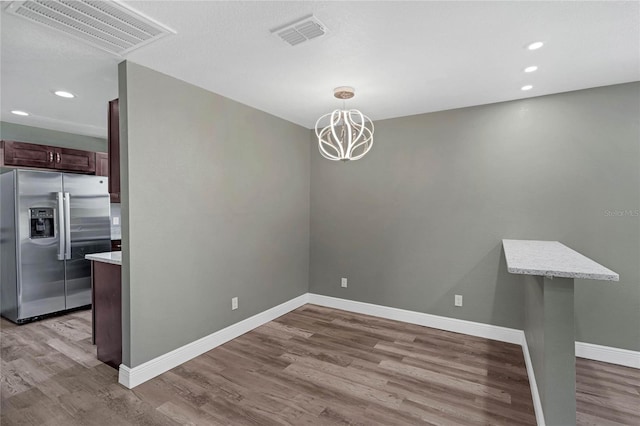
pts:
[67, 225]
[61, 227]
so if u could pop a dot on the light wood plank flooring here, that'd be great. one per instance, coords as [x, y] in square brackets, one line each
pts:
[312, 366]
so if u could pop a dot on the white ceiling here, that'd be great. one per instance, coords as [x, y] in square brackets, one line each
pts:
[403, 58]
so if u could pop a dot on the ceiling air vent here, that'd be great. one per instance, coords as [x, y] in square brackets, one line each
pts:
[300, 31]
[109, 25]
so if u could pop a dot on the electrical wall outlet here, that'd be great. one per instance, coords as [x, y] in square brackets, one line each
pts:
[343, 283]
[458, 300]
[234, 303]
[116, 220]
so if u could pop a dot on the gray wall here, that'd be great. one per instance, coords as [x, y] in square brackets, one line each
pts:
[21, 133]
[215, 205]
[421, 217]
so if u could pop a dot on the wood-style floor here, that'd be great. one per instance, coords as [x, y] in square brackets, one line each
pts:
[312, 366]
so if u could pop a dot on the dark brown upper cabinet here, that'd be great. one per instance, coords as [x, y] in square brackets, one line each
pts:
[102, 164]
[22, 154]
[75, 160]
[114, 150]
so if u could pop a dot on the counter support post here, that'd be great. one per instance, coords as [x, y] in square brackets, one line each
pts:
[549, 329]
[559, 352]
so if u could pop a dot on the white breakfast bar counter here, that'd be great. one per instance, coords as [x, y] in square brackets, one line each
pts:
[112, 257]
[552, 259]
[549, 269]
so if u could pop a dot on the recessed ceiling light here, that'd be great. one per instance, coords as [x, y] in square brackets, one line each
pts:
[527, 87]
[18, 112]
[64, 94]
[532, 68]
[535, 45]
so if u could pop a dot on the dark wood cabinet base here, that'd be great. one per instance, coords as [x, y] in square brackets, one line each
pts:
[107, 312]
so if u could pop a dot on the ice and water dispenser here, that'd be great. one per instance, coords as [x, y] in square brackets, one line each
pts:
[42, 223]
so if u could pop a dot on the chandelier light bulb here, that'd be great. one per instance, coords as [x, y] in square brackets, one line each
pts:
[344, 134]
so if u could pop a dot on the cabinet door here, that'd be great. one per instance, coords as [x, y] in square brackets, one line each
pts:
[75, 160]
[21, 154]
[102, 164]
[114, 151]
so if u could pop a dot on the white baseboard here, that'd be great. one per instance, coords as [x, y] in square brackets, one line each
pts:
[124, 377]
[535, 395]
[132, 377]
[455, 325]
[608, 354]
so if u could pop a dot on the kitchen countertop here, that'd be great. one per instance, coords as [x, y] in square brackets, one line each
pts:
[113, 257]
[552, 259]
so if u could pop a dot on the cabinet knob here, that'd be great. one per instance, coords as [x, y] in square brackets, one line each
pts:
[50, 156]
[58, 157]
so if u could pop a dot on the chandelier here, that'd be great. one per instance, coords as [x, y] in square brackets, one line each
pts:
[344, 134]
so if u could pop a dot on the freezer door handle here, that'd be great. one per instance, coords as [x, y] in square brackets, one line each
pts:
[61, 227]
[67, 225]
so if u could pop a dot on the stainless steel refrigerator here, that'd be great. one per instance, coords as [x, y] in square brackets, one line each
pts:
[48, 222]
